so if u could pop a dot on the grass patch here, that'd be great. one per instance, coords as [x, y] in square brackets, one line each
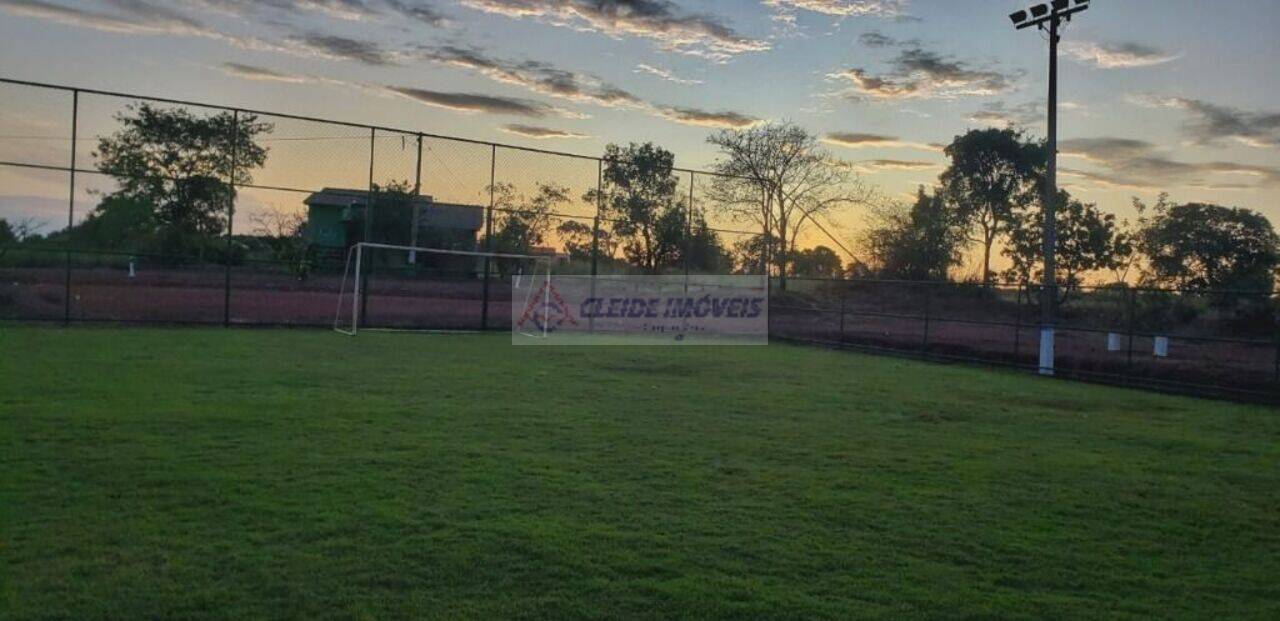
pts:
[243, 473]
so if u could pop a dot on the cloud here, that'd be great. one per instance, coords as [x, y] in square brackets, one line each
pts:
[473, 102]
[843, 8]
[1001, 114]
[343, 48]
[536, 76]
[1116, 55]
[704, 118]
[250, 72]
[871, 166]
[1138, 164]
[1211, 123]
[539, 133]
[349, 10]
[877, 39]
[659, 20]
[853, 140]
[132, 17]
[916, 73]
[139, 17]
[664, 74]
[546, 79]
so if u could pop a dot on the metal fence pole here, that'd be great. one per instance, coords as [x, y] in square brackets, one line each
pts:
[71, 208]
[1017, 323]
[417, 193]
[595, 238]
[1275, 323]
[843, 296]
[1130, 328]
[689, 229]
[368, 234]
[231, 214]
[928, 312]
[488, 237]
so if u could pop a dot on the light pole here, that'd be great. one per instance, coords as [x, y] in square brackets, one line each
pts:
[1049, 17]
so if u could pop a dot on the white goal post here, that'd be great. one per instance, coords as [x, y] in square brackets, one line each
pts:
[358, 262]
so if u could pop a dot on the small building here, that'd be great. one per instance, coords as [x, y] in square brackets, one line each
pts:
[336, 220]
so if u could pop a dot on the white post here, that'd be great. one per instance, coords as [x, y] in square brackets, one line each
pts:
[355, 298]
[1046, 351]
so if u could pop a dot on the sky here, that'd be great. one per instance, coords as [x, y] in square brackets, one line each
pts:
[1156, 95]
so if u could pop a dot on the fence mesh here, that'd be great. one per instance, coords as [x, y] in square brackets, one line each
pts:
[261, 239]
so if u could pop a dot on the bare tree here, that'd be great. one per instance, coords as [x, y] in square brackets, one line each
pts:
[779, 176]
[285, 232]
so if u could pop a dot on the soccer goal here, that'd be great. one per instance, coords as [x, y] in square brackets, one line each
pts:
[418, 289]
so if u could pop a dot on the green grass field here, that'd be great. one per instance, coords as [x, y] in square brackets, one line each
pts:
[193, 473]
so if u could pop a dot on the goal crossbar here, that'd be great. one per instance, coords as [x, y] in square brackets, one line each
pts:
[356, 251]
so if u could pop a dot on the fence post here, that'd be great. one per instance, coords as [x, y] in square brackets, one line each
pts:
[231, 214]
[689, 229]
[595, 238]
[843, 295]
[928, 312]
[417, 193]
[1017, 323]
[1132, 325]
[488, 237]
[1275, 328]
[367, 277]
[71, 208]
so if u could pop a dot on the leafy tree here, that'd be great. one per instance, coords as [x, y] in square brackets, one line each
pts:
[1204, 246]
[520, 223]
[12, 233]
[778, 176]
[181, 166]
[118, 223]
[1087, 241]
[749, 253]
[992, 171]
[576, 237]
[392, 213]
[818, 262]
[922, 242]
[639, 188]
[676, 233]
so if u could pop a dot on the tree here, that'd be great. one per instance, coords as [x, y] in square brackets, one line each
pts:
[1204, 246]
[576, 237]
[639, 188]
[922, 242]
[678, 233]
[1087, 241]
[778, 176]
[286, 235]
[181, 166]
[12, 233]
[992, 171]
[818, 262]
[520, 223]
[118, 223]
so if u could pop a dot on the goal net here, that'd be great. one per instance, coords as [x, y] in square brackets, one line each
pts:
[420, 289]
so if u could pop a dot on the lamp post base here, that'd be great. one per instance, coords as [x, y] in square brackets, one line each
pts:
[1046, 351]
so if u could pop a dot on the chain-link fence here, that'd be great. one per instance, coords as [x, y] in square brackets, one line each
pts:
[251, 224]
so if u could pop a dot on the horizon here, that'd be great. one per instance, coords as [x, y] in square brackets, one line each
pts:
[883, 82]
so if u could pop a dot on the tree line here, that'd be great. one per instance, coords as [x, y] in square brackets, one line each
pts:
[174, 194]
[990, 199]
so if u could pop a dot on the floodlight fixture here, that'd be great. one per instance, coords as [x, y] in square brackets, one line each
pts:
[1018, 17]
[1039, 10]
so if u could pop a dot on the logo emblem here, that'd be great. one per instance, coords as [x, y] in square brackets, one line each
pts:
[546, 310]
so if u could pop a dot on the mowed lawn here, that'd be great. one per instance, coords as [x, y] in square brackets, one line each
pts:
[210, 473]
